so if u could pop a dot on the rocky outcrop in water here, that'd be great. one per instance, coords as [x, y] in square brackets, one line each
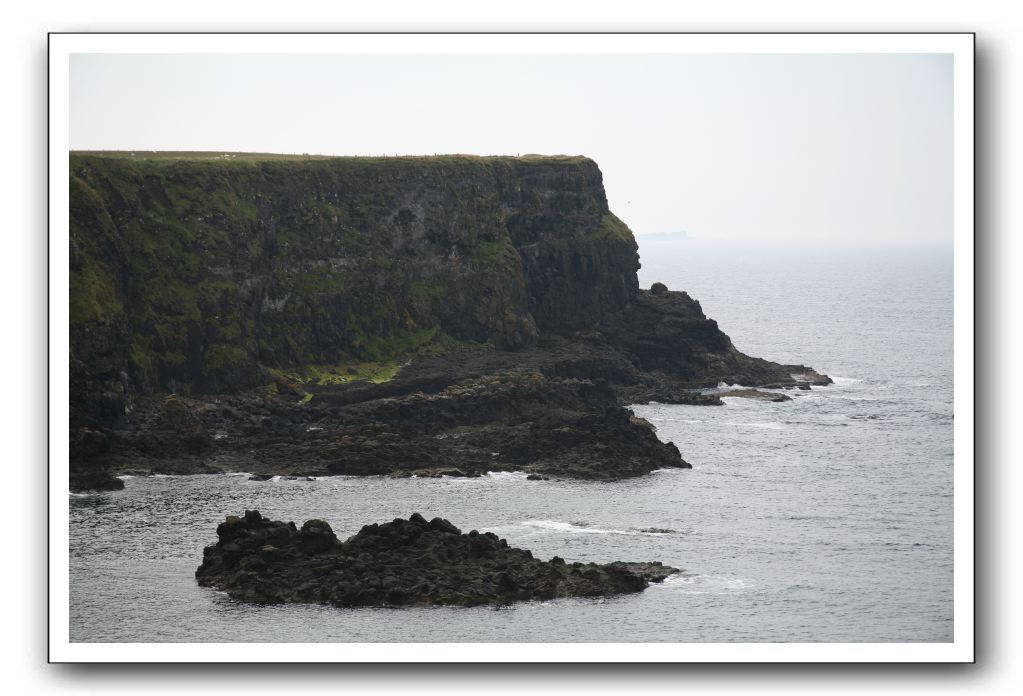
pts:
[400, 563]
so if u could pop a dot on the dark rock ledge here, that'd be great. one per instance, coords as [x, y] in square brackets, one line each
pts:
[400, 563]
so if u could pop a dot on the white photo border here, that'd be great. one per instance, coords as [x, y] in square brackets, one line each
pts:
[960, 45]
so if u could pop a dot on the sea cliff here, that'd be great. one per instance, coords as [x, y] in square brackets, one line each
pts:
[372, 315]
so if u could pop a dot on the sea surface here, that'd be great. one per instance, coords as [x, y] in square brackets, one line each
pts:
[827, 518]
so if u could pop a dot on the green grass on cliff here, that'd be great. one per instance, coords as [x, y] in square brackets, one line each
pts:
[612, 228]
[93, 290]
[394, 353]
[324, 375]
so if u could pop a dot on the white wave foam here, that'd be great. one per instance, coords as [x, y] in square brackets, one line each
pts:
[581, 528]
[507, 475]
[676, 580]
[770, 425]
[703, 584]
[844, 381]
[555, 525]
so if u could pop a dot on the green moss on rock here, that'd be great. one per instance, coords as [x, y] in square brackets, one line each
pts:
[612, 228]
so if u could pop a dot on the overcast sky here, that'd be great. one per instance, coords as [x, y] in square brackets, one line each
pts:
[822, 148]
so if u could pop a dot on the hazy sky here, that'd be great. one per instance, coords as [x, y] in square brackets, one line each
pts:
[828, 148]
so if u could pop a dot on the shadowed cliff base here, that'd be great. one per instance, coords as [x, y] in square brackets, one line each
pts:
[367, 316]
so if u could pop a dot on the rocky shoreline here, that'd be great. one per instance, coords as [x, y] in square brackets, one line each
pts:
[557, 409]
[401, 563]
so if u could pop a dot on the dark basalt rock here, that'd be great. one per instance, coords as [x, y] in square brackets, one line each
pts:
[507, 420]
[95, 477]
[175, 430]
[91, 471]
[668, 335]
[400, 563]
[89, 443]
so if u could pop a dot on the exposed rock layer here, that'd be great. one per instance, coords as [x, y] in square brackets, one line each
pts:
[400, 563]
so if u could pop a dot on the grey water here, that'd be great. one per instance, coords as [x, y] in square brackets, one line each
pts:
[824, 519]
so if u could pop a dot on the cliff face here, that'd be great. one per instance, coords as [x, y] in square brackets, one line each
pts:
[405, 316]
[188, 274]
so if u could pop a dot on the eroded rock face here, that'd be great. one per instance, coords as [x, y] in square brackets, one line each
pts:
[400, 563]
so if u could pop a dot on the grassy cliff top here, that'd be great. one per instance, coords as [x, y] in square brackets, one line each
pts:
[228, 157]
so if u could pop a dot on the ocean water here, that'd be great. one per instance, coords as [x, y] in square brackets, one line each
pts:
[827, 518]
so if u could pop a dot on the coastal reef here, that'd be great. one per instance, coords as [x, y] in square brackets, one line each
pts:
[400, 563]
[401, 316]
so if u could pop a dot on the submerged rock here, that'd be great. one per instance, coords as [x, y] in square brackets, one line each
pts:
[399, 563]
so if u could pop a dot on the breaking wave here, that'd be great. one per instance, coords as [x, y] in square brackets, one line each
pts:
[584, 528]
